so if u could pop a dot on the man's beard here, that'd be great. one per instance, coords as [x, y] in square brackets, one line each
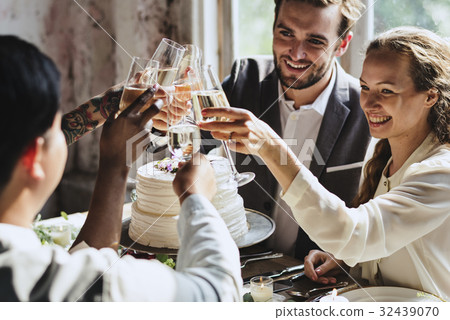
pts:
[303, 83]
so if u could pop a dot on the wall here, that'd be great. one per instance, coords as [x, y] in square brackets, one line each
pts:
[90, 61]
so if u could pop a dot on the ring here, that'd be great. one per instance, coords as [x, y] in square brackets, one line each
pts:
[229, 137]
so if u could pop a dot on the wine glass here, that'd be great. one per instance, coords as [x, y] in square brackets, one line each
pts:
[183, 132]
[169, 55]
[141, 76]
[209, 94]
[192, 60]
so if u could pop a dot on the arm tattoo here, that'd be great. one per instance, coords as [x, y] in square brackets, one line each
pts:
[77, 123]
[107, 103]
[89, 116]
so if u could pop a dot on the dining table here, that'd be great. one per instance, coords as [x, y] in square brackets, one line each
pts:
[276, 265]
[252, 268]
[359, 288]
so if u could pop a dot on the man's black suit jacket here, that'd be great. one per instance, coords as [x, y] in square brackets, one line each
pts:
[343, 136]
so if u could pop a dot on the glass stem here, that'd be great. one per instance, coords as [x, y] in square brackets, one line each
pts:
[230, 160]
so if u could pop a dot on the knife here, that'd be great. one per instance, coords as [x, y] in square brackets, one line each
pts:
[300, 267]
[291, 277]
[253, 255]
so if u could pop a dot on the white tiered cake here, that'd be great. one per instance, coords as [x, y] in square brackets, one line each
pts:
[154, 214]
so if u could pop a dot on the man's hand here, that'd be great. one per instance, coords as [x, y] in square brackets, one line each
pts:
[195, 176]
[130, 123]
[321, 266]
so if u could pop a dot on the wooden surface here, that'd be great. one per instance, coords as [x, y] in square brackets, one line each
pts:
[255, 268]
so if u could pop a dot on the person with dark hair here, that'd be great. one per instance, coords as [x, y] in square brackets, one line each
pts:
[42, 105]
[33, 155]
[397, 229]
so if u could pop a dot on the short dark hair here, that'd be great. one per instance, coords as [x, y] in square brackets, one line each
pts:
[29, 99]
[350, 11]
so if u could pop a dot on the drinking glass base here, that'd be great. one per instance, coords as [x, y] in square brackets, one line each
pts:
[244, 178]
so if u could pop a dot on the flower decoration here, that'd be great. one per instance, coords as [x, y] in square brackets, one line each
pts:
[168, 165]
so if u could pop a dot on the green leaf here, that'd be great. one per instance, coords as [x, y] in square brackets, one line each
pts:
[247, 297]
[64, 215]
[162, 257]
[169, 262]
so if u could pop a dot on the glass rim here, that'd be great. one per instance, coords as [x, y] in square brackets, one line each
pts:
[134, 58]
[174, 44]
[258, 280]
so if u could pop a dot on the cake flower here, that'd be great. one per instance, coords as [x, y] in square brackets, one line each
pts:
[168, 165]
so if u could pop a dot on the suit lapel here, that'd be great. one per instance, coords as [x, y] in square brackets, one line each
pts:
[269, 110]
[270, 114]
[333, 121]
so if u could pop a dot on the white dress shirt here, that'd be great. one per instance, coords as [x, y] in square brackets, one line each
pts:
[300, 129]
[403, 232]
[207, 266]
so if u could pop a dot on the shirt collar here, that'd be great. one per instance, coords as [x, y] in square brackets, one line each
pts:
[427, 145]
[320, 104]
[12, 236]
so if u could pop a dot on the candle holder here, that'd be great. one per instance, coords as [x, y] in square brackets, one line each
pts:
[61, 234]
[261, 288]
[333, 297]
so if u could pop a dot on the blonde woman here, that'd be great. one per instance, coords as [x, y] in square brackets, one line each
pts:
[398, 230]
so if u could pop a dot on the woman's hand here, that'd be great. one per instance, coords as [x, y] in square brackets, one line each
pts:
[321, 266]
[246, 133]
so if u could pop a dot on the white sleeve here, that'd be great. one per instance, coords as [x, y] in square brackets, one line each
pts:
[208, 258]
[207, 266]
[378, 228]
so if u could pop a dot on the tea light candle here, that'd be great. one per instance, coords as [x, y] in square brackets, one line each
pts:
[261, 288]
[61, 234]
[333, 297]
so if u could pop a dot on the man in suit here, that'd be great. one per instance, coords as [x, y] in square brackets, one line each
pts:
[307, 98]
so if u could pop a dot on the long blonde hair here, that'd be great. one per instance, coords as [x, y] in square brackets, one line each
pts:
[429, 57]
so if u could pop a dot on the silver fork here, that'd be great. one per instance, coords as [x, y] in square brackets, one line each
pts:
[271, 256]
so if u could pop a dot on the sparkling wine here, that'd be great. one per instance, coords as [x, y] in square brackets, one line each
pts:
[208, 99]
[184, 140]
[130, 94]
[166, 76]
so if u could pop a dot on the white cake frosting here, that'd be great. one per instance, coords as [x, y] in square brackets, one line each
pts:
[154, 214]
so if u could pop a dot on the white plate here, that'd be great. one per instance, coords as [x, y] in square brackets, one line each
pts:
[260, 227]
[389, 294]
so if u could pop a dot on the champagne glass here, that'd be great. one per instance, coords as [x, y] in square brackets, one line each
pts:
[141, 76]
[209, 94]
[192, 60]
[169, 55]
[184, 134]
